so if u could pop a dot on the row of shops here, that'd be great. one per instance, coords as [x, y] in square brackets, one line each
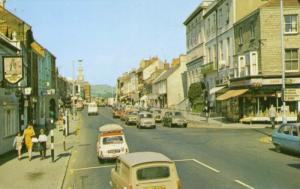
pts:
[250, 100]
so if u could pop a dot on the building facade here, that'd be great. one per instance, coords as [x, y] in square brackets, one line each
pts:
[258, 63]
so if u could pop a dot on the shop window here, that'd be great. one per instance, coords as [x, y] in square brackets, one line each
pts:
[291, 25]
[291, 60]
[10, 127]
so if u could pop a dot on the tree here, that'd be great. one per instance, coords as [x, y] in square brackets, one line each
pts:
[196, 96]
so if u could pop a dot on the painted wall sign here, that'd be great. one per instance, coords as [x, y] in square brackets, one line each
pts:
[12, 69]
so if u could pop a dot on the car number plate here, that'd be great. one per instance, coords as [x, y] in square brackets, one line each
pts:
[156, 187]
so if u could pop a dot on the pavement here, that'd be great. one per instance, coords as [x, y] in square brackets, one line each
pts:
[37, 173]
[218, 122]
[212, 158]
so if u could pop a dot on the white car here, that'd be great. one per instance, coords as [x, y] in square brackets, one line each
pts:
[145, 120]
[92, 109]
[111, 142]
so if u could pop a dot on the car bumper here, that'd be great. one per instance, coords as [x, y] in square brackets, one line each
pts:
[148, 126]
[108, 156]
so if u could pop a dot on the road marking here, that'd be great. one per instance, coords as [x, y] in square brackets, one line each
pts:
[207, 166]
[97, 167]
[243, 184]
[198, 162]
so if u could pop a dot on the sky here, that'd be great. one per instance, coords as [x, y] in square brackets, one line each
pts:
[109, 36]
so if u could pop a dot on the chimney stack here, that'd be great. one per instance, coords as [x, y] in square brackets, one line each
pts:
[2, 3]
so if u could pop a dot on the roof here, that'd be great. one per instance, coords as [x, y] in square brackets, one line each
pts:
[202, 6]
[166, 74]
[137, 158]
[110, 128]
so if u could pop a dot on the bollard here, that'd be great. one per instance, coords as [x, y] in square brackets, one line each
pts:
[52, 145]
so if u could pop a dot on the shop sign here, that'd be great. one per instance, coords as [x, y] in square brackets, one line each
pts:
[292, 95]
[13, 69]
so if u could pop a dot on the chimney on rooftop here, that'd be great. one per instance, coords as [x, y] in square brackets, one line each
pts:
[2, 3]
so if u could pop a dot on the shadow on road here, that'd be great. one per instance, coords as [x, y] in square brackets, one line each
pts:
[264, 132]
[7, 157]
[294, 165]
[59, 156]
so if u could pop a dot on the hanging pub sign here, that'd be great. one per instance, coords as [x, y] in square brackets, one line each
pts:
[12, 69]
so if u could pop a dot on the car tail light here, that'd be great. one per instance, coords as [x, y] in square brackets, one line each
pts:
[178, 184]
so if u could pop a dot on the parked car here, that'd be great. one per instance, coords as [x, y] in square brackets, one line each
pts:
[157, 115]
[141, 170]
[145, 120]
[111, 142]
[79, 106]
[174, 118]
[116, 113]
[92, 109]
[287, 137]
[131, 118]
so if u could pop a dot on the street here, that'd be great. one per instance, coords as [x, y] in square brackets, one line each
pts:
[205, 158]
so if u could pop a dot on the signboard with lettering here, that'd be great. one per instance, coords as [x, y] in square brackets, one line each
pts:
[13, 69]
[292, 94]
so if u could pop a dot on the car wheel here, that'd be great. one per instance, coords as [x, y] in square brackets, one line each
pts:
[277, 148]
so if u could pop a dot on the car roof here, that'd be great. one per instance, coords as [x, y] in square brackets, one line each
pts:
[110, 128]
[137, 158]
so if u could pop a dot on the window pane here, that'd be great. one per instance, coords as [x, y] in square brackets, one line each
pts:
[287, 55]
[153, 173]
[287, 19]
[294, 54]
[294, 65]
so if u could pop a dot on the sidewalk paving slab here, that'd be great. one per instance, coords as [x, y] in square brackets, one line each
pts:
[37, 173]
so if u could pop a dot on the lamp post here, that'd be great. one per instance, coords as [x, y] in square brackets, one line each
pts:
[284, 120]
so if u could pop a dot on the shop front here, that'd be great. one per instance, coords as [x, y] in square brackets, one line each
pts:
[252, 103]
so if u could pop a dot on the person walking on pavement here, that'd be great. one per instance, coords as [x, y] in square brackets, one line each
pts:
[28, 134]
[18, 141]
[43, 144]
[272, 115]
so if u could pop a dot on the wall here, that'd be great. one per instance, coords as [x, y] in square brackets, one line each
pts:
[270, 36]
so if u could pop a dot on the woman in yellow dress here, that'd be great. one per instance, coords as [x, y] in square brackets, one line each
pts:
[28, 134]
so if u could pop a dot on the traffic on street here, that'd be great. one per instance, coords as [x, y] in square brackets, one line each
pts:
[204, 157]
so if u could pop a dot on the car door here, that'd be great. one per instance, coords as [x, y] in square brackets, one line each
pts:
[281, 136]
[293, 139]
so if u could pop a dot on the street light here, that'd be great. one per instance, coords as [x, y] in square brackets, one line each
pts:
[73, 100]
[284, 120]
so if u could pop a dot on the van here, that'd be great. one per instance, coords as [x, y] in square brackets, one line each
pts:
[111, 142]
[142, 170]
[92, 109]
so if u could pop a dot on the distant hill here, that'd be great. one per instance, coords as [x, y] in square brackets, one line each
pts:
[104, 91]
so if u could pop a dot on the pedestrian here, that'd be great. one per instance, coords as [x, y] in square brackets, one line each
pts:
[272, 115]
[43, 144]
[28, 134]
[18, 141]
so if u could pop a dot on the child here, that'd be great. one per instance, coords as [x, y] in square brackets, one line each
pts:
[43, 144]
[18, 144]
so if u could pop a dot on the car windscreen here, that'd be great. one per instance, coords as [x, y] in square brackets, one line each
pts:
[151, 173]
[146, 115]
[113, 140]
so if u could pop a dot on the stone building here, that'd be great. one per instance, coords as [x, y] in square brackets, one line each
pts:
[256, 83]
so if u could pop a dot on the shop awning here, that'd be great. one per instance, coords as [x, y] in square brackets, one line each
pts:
[231, 93]
[215, 89]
